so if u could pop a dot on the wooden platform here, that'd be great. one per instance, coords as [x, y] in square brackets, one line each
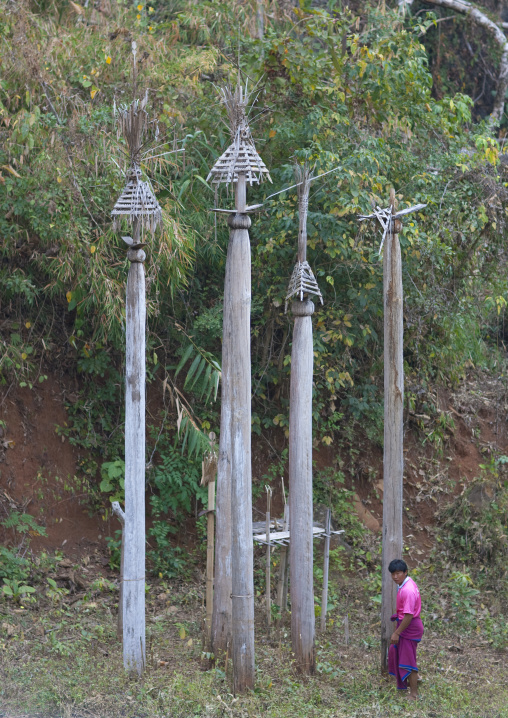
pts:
[282, 538]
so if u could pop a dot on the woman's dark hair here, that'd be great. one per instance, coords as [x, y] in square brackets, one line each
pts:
[397, 565]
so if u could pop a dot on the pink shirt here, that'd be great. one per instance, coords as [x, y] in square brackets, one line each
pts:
[408, 599]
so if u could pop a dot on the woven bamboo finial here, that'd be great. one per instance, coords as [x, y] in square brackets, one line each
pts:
[137, 201]
[241, 156]
[302, 280]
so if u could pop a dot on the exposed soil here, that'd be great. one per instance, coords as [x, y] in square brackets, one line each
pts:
[38, 467]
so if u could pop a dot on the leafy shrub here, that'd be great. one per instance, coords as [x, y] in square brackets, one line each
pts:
[13, 566]
[474, 525]
[177, 480]
[15, 590]
[329, 490]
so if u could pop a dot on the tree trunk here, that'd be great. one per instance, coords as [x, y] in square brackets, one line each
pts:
[483, 20]
[241, 473]
[393, 461]
[300, 488]
[133, 589]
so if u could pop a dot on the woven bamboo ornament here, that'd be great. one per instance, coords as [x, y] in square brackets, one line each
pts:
[137, 201]
[302, 279]
[241, 156]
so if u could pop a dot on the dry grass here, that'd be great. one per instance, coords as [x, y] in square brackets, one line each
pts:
[65, 661]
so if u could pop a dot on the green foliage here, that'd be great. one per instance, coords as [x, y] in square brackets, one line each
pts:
[329, 490]
[113, 479]
[114, 544]
[54, 592]
[473, 526]
[22, 524]
[15, 590]
[177, 483]
[463, 598]
[177, 480]
[12, 565]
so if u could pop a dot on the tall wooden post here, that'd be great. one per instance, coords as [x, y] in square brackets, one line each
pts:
[234, 581]
[300, 488]
[393, 458]
[242, 559]
[139, 206]
[300, 444]
[133, 589]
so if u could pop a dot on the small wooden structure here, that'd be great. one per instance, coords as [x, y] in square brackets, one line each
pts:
[393, 457]
[281, 537]
[139, 206]
[234, 588]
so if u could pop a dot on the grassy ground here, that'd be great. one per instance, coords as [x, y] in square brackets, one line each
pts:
[63, 659]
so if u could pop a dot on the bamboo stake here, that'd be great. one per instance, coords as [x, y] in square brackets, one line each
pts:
[210, 531]
[281, 591]
[324, 598]
[121, 517]
[208, 473]
[393, 458]
[268, 559]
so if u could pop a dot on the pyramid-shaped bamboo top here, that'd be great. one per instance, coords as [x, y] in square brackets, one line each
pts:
[302, 282]
[302, 279]
[241, 156]
[137, 202]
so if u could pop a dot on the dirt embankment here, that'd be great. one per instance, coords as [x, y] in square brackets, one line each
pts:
[38, 466]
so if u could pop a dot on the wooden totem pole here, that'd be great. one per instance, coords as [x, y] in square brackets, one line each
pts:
[138, 204]
[301, 285]
[393, 456]
[233, 615]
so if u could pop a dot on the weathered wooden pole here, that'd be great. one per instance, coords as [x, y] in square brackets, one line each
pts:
[300, 443]
[238, 165]
[326, 563]
[393, 457]
[242, 554]
[133, 588]
[138, 204]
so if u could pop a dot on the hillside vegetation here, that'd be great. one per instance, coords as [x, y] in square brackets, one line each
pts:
[355, 92]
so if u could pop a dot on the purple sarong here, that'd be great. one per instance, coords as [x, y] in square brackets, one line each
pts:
[402, 656]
